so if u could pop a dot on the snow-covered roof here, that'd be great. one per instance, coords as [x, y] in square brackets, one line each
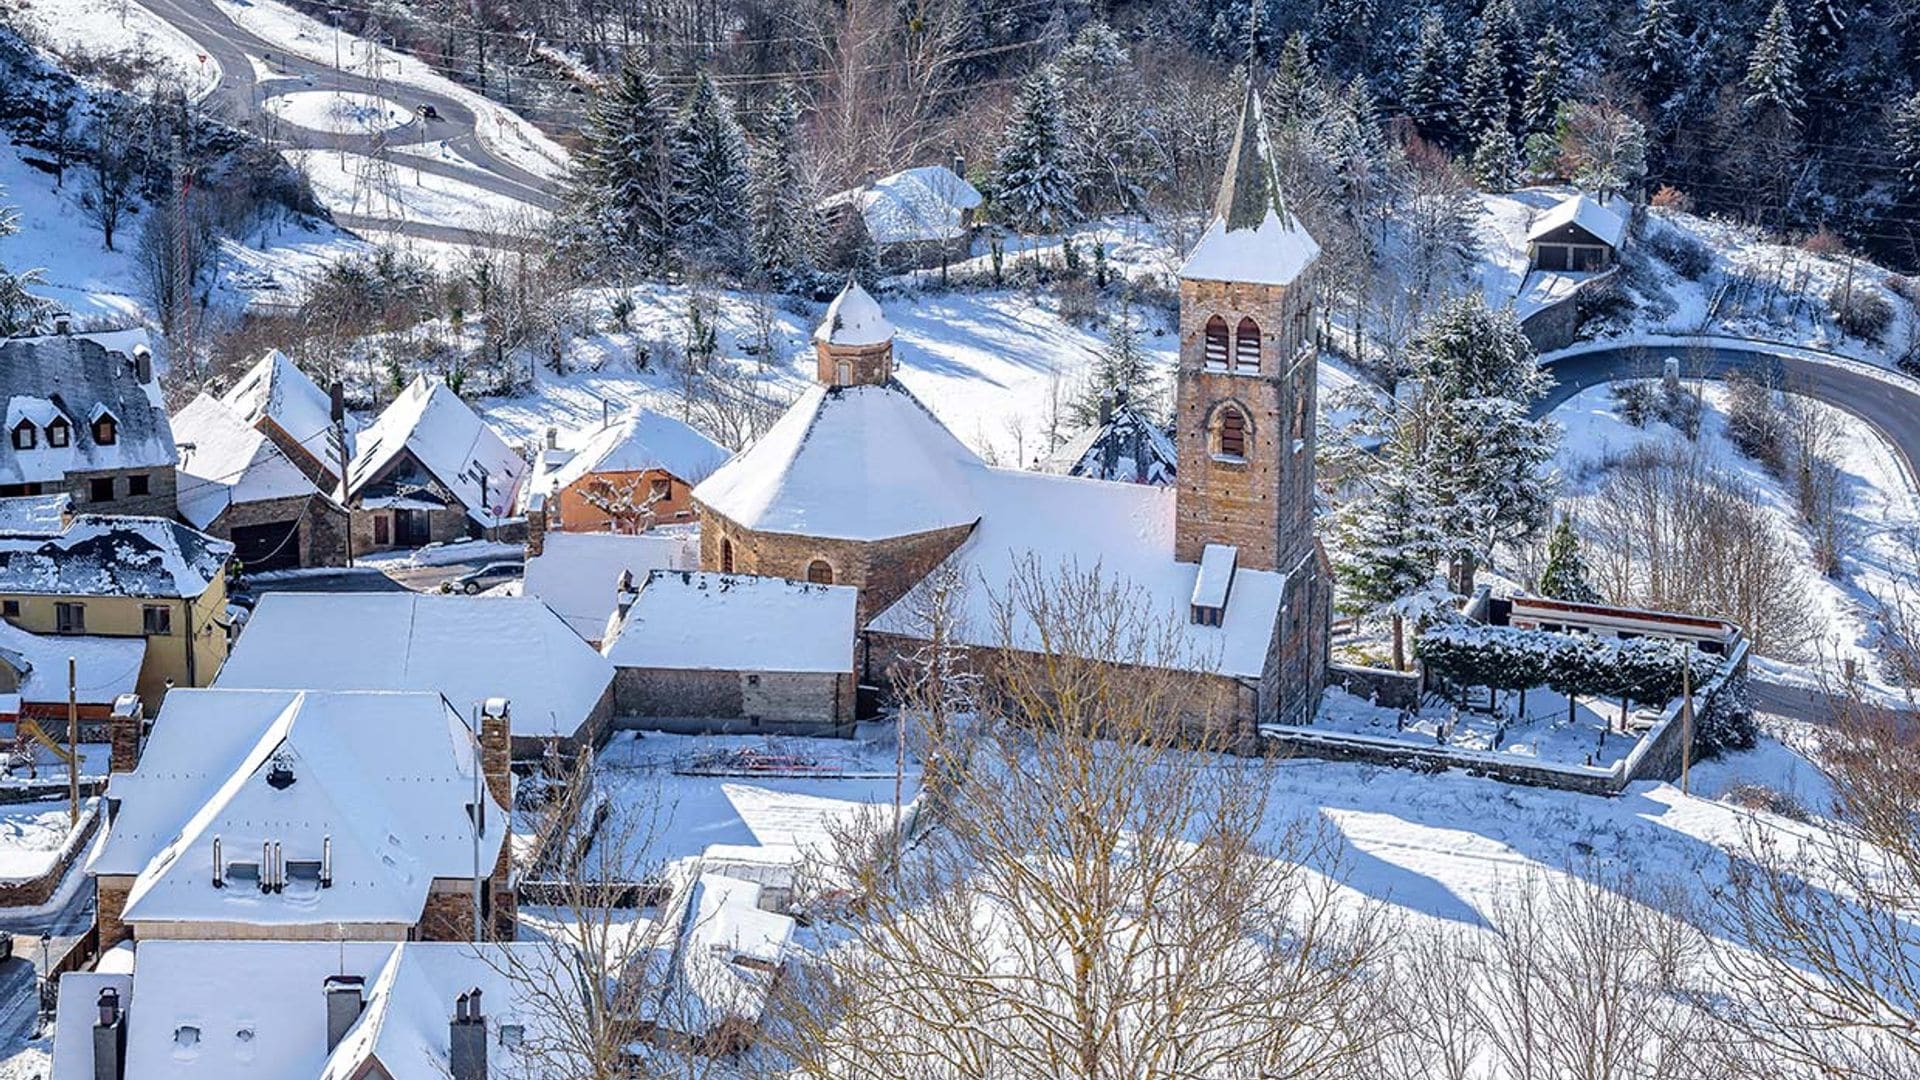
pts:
[276, 389]
[1211, 587]
[925, 203]
[227, 1010]
[381, 780]
[469, 648]
[102, 555]
[450, 441]
[726, 955]
[688, 620]
[854, 318]
[35, 515]
[74, 378]
[576, 573]
[1254, 236]
[851, 463]
[1129, 447]
[1126, 531]
[224, 461]
[1582, 210]
[103, 667]
[637, 442]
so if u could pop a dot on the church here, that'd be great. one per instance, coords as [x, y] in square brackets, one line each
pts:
[859, 485]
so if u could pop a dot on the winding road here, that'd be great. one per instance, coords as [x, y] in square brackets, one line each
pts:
[241, 90]
[1882, 400]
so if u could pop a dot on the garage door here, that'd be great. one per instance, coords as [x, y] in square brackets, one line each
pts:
[273, 546]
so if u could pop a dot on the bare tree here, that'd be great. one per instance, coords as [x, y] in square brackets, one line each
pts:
[1102, 898]
[109, 174]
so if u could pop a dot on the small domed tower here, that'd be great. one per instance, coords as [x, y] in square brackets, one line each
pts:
[854, 344]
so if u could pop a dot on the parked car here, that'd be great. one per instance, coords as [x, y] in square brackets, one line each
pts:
[428, 112]
[485, 577]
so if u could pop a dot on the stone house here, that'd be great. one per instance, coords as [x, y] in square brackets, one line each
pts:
[237, 483]
[919, 217]
[429, 470]
[281, 402]
[309, 815]
[858, 484]
[467, 648]
[85, 421]
[734, 652]
[628, 476]
[147, 580]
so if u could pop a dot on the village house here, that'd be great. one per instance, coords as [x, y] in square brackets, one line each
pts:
[1126, 445]
[304, 814]
[466, 648]
[312, 1010]
[239, 484]
[630, 475]
[280, 401]
[429, 470]
[858, 484]
[1578, 234]
[151, 582]
[85, 421]
[578, 574]
[733, 652]
[918, 217]
[34, 675]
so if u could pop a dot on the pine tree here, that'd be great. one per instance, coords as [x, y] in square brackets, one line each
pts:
[1653, 57]
[1825, 42]
[1496, 161]
[1484, 91]
[20, 310]
[1340, 33]
[620, 197]
[1358, 147]
[1292, 95]
[1387, 546]
[1033, 177]
[1773, 67]
[1548, 86]
[710, 181]
[1124, 371]
[1565, 577]
[1904, 126]
[1426, 88]
[1114, 148]
[784, 226]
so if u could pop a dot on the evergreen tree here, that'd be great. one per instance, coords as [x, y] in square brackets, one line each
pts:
[1427, 85]
[20, 310]
[1340, 33]
[1565, 577]
[1114, 147]
[1773, 67]
[1496, 161]
[1387, 546]
[1825, 43]
[1654, 56]
[1293, 93]
[1484, 91]
[1548, 86]
[1033, 177]
[1904, 127]
[784, 226]
[710, 180]
[1359, 150]
[1124, 371]
[621, 190]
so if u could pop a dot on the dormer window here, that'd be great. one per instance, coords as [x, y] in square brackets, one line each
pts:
[106, 430]
[59, 433]
[1246, 346]
[1217, 344]
[25, 437]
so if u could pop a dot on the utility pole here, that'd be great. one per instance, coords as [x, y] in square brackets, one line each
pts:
[339, 414]
[1686, 721]
[73, 743]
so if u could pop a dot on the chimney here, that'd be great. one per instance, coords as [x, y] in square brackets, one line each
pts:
[337, 404]
[536, 524]
[960, 166]
[468, 1038]
[143, 364]
[63, 323]
[110, 1038]
[553, 438]
[346, 997]
[125, 724]
[624, 594]
[496, 749]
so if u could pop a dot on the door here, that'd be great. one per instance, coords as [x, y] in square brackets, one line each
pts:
[273, 546]
[410, 528]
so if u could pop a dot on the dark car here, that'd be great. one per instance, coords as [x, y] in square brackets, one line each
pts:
[485, 577]
[428, 112]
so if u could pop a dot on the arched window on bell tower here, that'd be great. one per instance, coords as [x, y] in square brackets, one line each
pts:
[1230, 434]
[1218, 345]
[1246, 346]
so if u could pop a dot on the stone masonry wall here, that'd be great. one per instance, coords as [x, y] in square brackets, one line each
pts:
[161, 499]
[659, 692]
[883, 570]
[323, 525]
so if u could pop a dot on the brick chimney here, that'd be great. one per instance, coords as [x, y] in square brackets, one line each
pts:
[496, 749]
[125, 725]
[536, 525]
[110, 1038]
[468, 1038]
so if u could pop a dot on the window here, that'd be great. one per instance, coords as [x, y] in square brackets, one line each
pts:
[9, 608]
[726, 556]
[661, 490]
[25, 437]
[382, 531]
[843, 374]
[1233, 434]
[100, 489]
[1204, 615]
[137, 484]
[1216, 345]
[1246, 345]
[59, 433]
[157, 620]
[819, 572]
[105, 431]
[70, 618]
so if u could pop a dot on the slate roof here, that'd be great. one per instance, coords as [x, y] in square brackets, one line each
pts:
[75, 378]
[102, 555]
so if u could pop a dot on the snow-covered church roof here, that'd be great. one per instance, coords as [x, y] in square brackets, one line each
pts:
[1254, 236]
[853, 319]
[849, 463]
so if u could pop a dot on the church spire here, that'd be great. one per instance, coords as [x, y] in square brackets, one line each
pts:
[1251, 186]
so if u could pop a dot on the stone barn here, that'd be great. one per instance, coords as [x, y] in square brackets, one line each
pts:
[236, 483]
[734, 652]
[429, 470]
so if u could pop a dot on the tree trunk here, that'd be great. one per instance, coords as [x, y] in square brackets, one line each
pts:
[1399, 643]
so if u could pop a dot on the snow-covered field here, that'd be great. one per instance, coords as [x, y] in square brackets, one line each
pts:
[338, 111]
[121, 29]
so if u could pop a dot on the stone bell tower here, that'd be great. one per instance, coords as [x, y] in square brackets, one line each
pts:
[1244, 401]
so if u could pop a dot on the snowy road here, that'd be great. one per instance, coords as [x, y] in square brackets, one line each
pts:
[1883, 403]
[243, 56]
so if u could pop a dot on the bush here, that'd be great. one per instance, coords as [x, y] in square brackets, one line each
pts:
[1688, 256]
[1671, 198]
[1861, 310]
[1904, 287]
[1635, 402]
